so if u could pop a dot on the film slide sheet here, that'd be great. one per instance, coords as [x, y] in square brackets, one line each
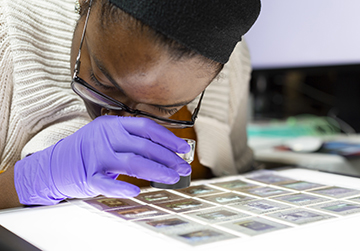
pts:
[336, 192]
[339, 207]
[262, 206]
[106, 204]
[203, 235]
[168, 224]
[266, 191]
[241, 206]
[300, 199]
[138, 212]
[254, 226]
[217, 215]
[300, 216]
[184, 205]
[235, 184]
[227, 198]
[301, 185]
[158, 197]
[201, 190]
[266, 177]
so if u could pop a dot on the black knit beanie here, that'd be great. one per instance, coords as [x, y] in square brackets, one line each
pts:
[209, 27]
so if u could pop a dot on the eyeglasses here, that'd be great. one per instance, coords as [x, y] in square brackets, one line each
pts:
[87, 92]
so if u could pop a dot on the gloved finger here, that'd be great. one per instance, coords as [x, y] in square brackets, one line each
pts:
[157, 153]
[109, 187]
[149, 129]
[137, 166]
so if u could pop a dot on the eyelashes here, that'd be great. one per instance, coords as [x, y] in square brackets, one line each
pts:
[167, 111]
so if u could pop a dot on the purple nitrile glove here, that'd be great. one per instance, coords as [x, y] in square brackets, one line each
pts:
[86, 163]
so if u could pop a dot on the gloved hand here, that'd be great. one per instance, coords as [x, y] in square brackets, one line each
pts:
[86, 163]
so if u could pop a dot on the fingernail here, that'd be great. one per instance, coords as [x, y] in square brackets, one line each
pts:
[170, 180]
[130, 193]
[184, 148]
[185, 170]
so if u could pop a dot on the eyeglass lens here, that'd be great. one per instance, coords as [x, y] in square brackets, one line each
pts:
[92, 96]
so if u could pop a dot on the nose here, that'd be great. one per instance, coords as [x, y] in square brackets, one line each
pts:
[121, 113]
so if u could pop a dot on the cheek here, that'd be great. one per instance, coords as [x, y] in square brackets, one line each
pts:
[75, 46]
[72, 57]
[93, 110]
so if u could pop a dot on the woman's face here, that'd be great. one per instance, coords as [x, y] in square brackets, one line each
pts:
[130, 67]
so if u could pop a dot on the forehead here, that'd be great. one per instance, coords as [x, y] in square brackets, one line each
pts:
[137, 62]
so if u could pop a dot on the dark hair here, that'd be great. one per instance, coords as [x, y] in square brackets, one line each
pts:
[110, 13]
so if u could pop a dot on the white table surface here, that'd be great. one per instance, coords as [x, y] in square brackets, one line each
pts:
[69, 227]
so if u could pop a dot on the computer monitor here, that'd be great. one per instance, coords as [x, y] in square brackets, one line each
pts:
[306, 33]
[319, 42]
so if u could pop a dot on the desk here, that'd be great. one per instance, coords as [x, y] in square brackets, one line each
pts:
[264, 151]
[69, 227]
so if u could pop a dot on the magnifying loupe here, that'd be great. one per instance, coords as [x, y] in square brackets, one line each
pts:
[184, 180]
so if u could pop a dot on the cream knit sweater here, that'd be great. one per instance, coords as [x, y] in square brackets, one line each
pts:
[221, 125]
[38, 107]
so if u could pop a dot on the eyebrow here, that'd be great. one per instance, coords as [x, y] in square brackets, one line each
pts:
[101, 67]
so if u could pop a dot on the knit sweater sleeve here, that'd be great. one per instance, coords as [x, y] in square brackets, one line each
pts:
[38, 107]
[6, 77]
[221, 124]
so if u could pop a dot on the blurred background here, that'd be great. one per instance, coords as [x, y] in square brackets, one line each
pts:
[306, 62]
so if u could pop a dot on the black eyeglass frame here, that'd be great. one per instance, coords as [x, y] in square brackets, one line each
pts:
[167, 122]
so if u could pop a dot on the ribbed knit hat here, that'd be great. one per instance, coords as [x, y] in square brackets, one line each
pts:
[209, 27]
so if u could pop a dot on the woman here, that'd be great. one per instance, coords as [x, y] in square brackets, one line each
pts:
[150, 59]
